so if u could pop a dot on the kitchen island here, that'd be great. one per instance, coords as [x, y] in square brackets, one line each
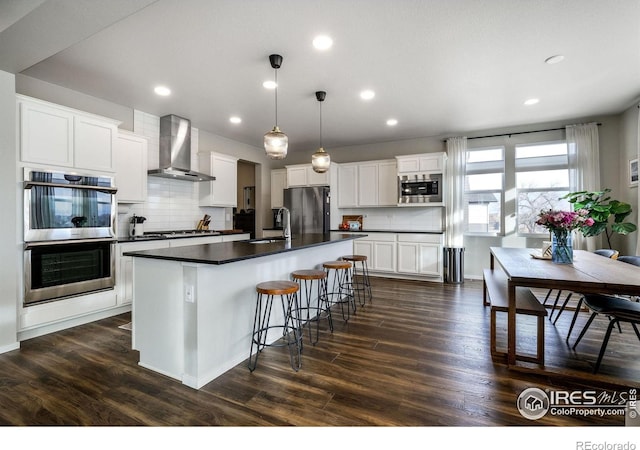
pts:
[194, 306]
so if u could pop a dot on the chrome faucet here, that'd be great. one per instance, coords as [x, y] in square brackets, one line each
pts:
[286, 229]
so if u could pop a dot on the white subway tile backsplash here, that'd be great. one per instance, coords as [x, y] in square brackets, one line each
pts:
[399, 219]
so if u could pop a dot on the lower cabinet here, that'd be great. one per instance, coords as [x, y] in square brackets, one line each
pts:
[419, 254]
[124, 267]
[402, 255]
[380, 249]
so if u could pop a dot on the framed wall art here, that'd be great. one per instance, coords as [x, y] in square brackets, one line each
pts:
[633, 172]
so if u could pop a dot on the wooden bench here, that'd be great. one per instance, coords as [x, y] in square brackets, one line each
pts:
[495, 295]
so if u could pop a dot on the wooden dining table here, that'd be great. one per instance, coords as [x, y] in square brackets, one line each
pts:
[589, 274]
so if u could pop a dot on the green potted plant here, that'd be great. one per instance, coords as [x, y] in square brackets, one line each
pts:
[608, 215]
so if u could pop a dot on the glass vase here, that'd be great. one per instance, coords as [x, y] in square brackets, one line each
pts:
[561, 247]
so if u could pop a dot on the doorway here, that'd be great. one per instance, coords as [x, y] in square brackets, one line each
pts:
[244, 217]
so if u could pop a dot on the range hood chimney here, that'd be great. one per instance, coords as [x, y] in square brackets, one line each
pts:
[175, 151]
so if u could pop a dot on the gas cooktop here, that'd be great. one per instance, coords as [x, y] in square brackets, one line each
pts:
[179, 233]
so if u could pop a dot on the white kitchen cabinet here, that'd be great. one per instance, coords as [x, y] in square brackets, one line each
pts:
[296, 176]
[377, 185]
[347, 185]
[51, 134]
[223, 190]
[388, 183]
[368, 184]
[94, 142]
[402, 255]
[278, 185]
[131, 168]
[235, 237]
[380, 249]
[425, 162]
[317, 179]
[364, 247]
[304, 175]
[124, 266]
[384, 256]
[420, 254]
[184, 242]
[46, 134]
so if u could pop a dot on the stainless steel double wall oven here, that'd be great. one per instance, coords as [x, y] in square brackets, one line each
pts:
[69, 235]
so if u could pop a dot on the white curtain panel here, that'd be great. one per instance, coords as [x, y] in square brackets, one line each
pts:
[454, 192]
[584, 169]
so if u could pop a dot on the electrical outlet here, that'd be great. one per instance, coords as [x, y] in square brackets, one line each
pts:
[190, 294]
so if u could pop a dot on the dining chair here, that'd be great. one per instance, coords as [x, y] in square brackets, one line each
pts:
[635, 260]
[607, 253]
[617, 309]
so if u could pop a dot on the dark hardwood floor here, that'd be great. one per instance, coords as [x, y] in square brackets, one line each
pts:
[417, 356]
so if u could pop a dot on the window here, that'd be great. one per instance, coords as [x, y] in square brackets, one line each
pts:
[542, 177]
[484, 186]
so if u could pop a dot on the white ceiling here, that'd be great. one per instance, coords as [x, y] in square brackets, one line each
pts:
[440, 67]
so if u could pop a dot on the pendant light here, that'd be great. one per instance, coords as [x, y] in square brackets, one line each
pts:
[320, 160]
[275, 141]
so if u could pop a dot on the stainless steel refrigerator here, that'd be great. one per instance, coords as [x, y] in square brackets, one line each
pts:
[309, 207]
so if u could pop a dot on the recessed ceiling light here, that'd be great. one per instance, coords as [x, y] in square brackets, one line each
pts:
[322, 42]
[162, 90]
[555, 59]
[392, 122]
[235, 119]
[269, 84]
[367, 95]
[531, 101]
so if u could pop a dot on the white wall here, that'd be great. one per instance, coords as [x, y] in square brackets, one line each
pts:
[10, 250]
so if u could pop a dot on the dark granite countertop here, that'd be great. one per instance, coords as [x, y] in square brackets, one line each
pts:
[228, 252]
[387, 231]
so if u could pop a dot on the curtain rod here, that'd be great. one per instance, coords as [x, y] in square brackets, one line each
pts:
[519, 132]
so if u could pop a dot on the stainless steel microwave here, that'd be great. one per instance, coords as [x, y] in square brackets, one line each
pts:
[419, 188]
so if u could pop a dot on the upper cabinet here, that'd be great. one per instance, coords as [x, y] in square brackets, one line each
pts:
[131, 167]
[223, 190]
[425, 162]
[348, 185]
[278, 185]
[51, 134]
[372, 183]
[304, 175]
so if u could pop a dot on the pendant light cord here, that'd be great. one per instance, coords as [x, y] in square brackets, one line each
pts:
[320, 124]
[276, 79]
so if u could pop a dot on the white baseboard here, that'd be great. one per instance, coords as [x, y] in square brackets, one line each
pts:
[70, 323]
[10, 347]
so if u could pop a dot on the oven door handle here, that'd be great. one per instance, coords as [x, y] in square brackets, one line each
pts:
[29, 245]
[105, 189]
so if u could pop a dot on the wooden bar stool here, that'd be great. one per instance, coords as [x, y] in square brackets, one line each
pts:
[317, 308]
[360, 277]
[291, 326]
[341, 287]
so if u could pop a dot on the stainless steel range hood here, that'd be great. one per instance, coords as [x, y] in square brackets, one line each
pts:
[175, 151]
